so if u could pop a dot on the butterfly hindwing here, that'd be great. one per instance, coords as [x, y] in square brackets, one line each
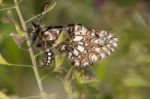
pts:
[47, 59]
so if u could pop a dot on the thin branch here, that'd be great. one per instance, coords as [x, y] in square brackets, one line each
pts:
[69, 73]
[45, 76]
[68, 88]
[40, 14]
[38, 54]
[8, 8]
[42, 78]
[30, 51]
[67, 83]
[31, 97]
[6, 5]
[17, 65]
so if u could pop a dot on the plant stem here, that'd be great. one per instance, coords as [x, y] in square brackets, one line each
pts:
[8, 8]
[16, 65]
[49, 9]
[30, 51]
[68, 83]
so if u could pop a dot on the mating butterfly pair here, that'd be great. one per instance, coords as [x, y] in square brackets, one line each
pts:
[84, 47]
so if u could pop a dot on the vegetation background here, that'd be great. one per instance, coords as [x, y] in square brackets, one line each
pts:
[123, 75]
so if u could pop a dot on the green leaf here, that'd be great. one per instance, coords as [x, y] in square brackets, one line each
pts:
[2, 60]
[58, 61]
[61, 38]
[60, 58]
[20, 32]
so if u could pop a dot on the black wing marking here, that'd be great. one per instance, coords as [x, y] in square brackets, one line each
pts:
[47, 59]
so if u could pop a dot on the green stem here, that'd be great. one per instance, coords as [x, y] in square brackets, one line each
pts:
[69, 74]
[31, 97]
[17, 65]
[30, 51]
[49, 9]
[68, 83]
[8, 8]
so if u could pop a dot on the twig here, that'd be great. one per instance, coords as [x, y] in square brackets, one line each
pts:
[67, 83]
[40, 14]
[31, 97]
[30, 51]
[69, 73]
[17, 65]
[8, 8]
[45, 76]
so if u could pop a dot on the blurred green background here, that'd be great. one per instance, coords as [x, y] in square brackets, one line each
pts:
[123, 75]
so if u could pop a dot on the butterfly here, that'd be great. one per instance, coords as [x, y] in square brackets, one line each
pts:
[83, 47]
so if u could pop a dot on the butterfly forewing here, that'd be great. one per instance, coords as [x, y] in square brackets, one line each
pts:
[88, 46]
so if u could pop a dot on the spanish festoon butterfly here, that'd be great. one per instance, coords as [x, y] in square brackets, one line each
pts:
[83, 46]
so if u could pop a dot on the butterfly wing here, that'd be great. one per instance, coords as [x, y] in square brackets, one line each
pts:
[47, 59]
[46, 42]
[87, 46]
[84, 47]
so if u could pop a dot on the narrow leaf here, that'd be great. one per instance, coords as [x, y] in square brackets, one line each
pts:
[58, 61]
[20, 32]
[2, 60]
[61, 38]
